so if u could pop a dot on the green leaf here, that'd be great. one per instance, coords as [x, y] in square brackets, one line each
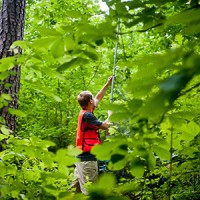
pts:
[69, 43]
[89, 37]
[57, 48]
[72, 151]
[68, 64]
[16, 112]
[71, 63]
[89, 29]
[186, 17]
[48, 32]
[99, 42]
[142, 85]
[137, 168]
[5, 130]
[48, 93]
[22, 44]
[179, 38]
[169, 90]
[175, 82]
[107, 180]
[107, 29]
[155, 107]
[63, 194]
[134, 104]
[74, 14]
[47, 143]
[189, 131]
[134, 4]
[57, 98]
[63, 158]
[6, 97]
[48, 160]
[91, 55]
[121, 8]
[118, 161]
[44, 43]
[128, 187]
[120, 112]
[4, 75]
[15, 193]
[193, 128]
[151, 161]
[102, 151]
[193, 29]
[7, 63]
[53, 73]
[116, 107]
[119, 116]
[105, 184]
[191, 151]
[163, 153]
[2, 137]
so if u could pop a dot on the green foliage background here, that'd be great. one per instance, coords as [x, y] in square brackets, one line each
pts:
[153, 150]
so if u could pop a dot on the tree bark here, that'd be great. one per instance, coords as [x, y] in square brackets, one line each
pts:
[11, 29]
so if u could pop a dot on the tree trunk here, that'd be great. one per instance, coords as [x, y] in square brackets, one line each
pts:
[11, 29]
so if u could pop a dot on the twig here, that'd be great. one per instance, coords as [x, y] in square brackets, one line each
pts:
[170, 166]
[84, 83]
[193, 87]
[144, 30]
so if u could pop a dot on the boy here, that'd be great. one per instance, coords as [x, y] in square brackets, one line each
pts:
[87, 137]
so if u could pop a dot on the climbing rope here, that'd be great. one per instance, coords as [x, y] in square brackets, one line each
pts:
[115, 59]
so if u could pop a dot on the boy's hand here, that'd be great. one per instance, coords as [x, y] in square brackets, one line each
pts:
[109, 81]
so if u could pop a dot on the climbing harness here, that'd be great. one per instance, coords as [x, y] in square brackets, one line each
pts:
[115, 59]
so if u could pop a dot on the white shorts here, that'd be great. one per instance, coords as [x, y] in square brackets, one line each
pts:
[85, 171]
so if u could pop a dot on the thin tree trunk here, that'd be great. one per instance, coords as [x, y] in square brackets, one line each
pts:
[11, 29]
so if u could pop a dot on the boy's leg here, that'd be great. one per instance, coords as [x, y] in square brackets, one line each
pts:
[87, 171]
[75, 184]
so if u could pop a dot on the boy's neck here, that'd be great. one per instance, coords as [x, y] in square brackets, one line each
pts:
[89, 108]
